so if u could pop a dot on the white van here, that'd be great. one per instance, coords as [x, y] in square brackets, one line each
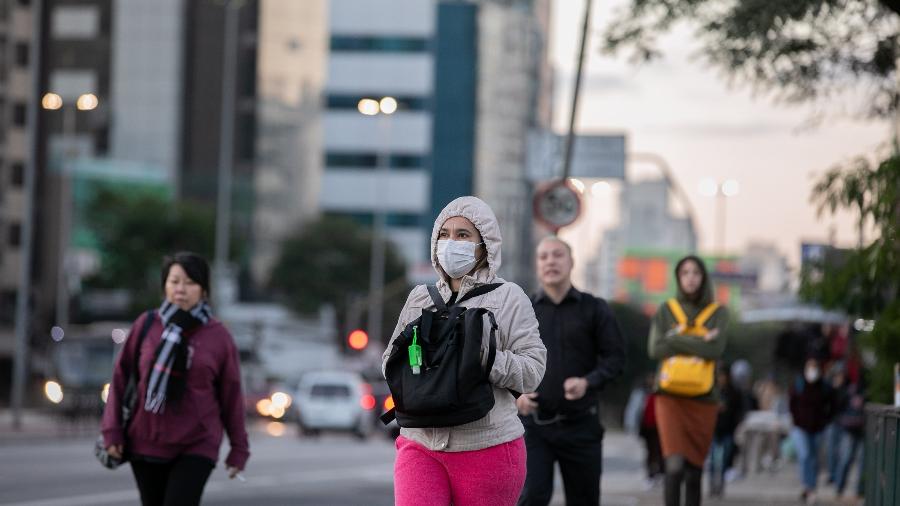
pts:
[334, 401]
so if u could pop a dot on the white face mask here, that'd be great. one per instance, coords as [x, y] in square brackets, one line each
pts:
[457, 258]
[812, 374]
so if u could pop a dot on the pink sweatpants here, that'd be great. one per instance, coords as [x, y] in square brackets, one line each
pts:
[491, 477]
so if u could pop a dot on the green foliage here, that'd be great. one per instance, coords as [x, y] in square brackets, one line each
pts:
[885, 341]
[797, 49]
[328, 262]
[134, 231]
[865, 282]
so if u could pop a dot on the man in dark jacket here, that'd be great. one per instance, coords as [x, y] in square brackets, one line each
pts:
[585, 351]
[812, 407]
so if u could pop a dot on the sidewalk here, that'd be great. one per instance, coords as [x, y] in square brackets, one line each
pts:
[41, 426]
[623, 482]
[623, 476]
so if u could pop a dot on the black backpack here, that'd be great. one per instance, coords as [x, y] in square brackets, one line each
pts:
[451, 388]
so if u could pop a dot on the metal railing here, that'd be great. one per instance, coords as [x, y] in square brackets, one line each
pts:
[882, 455]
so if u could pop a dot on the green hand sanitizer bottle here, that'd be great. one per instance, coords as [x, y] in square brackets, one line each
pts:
[415, 353]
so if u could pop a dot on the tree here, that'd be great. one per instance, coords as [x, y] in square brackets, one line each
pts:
[134, 230]
[865, 282]
[800, 50]
[328, 262]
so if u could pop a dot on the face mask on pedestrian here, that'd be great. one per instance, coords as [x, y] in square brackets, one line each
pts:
[457, 258]
[811, 374]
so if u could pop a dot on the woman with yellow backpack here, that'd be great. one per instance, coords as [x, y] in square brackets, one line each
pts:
[686, 337]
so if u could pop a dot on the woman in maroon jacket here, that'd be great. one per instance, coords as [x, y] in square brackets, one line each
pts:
[189, 393]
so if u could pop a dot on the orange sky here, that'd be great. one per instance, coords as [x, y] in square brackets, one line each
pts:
[689, 115]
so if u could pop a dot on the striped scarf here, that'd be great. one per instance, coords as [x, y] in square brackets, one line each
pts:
[170, 362]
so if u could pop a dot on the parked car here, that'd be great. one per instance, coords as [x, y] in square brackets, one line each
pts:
[334, 401]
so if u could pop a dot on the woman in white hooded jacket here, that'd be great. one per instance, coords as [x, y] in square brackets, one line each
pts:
[481, 462]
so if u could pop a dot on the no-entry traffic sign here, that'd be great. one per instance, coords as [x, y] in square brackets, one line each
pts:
[557, 205]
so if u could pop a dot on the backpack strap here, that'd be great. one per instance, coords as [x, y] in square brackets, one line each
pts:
[135, 377]
[677, 311]
[148, 321]
[706, 314]
[436, 298]
[479, 290]
[388, 416]
[492, 346]
[475, 292]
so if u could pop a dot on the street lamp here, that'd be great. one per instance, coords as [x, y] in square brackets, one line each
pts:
[54, 102]
[722, 191]
[383, 107]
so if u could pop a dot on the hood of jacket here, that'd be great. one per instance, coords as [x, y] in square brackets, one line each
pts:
[706, 295]
[481, 215]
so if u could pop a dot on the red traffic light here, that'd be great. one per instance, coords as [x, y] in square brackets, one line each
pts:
[358, 339]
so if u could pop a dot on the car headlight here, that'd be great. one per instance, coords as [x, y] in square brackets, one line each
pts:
[53, 391]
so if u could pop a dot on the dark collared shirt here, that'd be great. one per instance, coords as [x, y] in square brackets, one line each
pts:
[583, 339]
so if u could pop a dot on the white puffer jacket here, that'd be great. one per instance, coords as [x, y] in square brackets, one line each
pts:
[521, 356]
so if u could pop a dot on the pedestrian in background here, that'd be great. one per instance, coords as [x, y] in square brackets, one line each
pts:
[481, 462]
[812, 408]
[640, 420]
[834, 433]
[731, 413]
[686, 422]
[650, 434]
[585, 352]
[189, 393]
[851, 419]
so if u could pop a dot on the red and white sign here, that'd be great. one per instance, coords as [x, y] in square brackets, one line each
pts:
[557, 205]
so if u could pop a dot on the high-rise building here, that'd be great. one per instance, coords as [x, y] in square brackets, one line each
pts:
[492, 87]
[170, 66]
[292, 51]
[15, 89]
[646, 223]
[380, 48]
[73, 123]
[471, 79]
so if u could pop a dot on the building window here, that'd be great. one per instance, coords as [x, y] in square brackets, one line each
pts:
[21, 54]
[80, 22]
[19, 114]
[15, 234]
[384, 44]
[351, 102]
[17, 176]
[7, 305]
[370, 161]
[408, 220]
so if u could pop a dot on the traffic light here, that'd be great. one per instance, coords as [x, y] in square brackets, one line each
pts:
[358, 340]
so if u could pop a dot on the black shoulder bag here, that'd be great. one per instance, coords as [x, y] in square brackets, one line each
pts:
[129, 398]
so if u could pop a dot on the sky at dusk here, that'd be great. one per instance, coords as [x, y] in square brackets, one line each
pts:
[687, 113]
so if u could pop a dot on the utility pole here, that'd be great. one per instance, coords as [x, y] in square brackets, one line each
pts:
[226, 147]
[573, 114]
[23, 296]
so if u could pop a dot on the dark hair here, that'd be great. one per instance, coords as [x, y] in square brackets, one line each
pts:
[701, 290]
[195, 266]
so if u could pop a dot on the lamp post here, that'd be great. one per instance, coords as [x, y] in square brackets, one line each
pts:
[226, 151]
[54, 102]
[382, 108]
[722, 191]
